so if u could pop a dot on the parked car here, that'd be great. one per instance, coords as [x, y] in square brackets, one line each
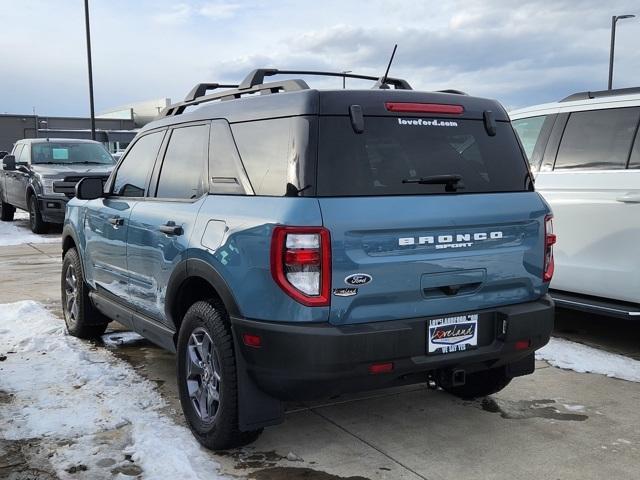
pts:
[585, 153]
[291, 243]
[40, 175]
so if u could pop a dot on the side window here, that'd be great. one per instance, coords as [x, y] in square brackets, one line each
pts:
[634, 161]
[264, 149]
[17, 150]
[25, 155]
[131, 177]
[528, 129]
[598, 139]
[225, 168]
[184, 169]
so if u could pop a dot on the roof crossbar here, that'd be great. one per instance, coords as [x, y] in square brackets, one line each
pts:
[265, 88]
[256, 77]
[601, 93]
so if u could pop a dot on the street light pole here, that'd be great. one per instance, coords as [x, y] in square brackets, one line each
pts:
[614, 21]
[88, 32]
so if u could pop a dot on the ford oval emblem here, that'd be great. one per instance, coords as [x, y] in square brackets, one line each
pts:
[358, 279]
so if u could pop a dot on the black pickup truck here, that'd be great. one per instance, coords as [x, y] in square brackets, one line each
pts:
[39, 176]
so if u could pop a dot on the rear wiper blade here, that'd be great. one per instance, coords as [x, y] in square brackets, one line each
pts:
[451, 182]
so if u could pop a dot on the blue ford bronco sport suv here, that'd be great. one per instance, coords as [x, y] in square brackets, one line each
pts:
[291, 243]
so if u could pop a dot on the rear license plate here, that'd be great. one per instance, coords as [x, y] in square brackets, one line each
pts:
[452, 334]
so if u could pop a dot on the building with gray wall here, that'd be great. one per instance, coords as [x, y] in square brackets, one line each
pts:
[114, 133]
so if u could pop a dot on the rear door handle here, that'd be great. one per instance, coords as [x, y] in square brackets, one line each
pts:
[116, 221]
[170, 228]
[631, 197]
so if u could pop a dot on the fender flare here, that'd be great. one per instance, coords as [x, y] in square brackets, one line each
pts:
[196, 268]
[30, 191]
[69, 232]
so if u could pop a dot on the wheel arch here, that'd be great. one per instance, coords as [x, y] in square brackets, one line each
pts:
[30, 193]
[195, 280]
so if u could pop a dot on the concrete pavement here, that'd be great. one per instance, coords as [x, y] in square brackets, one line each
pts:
[554, 424]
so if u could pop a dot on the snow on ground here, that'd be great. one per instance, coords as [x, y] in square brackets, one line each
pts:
[86, 405]
[18, 232]
[581, 358]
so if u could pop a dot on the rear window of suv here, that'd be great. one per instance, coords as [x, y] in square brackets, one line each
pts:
[389, 151]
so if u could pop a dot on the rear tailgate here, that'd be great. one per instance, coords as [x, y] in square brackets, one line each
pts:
[405, 243]
[433, 255]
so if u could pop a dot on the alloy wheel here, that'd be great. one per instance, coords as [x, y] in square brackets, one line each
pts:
[32, 214]
[203, 375]
[71, 295]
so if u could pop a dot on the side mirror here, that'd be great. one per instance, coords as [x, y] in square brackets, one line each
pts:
[3, 153]
[9, 162]
[89, 189]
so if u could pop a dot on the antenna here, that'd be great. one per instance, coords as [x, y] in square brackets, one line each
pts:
[382, 82]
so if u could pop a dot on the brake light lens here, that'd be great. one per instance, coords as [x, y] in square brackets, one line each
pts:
[301, 263]
[549, 241]
[424, 108]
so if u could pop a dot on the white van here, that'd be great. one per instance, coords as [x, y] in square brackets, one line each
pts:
[585, 153]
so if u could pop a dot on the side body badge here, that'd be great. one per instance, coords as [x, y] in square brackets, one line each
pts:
[345, 292]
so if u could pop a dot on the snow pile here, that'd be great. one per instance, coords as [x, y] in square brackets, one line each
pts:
[18, 232]
[67, 389]
[580, 358]
[117, 339]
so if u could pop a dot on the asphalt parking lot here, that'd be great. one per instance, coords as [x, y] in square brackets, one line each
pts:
[555, 424]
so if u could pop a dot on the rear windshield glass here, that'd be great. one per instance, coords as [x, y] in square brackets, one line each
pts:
[393, 149]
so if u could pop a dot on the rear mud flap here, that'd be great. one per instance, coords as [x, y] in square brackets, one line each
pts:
[256, 409]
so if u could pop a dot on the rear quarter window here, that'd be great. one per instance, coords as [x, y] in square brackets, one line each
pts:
[598, 139]
[279, 154]
[389, 151]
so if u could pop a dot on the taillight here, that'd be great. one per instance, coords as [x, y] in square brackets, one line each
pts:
[549, 241]
[301, 263]
[407, 107]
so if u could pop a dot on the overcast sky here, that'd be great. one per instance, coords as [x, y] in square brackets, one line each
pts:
[537, 51]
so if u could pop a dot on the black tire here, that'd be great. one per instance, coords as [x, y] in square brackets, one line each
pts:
[35, 218]
[6, 212]
[481, 384]
[80, 316]
[213, 366]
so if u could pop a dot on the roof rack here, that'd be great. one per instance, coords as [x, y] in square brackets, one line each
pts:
[200, 89]
[193, 99]
[256, 77]
[601, 94]
[254, 83]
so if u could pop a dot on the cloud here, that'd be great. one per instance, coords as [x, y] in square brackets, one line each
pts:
[525, 53]
[219, 10]
[177, 14]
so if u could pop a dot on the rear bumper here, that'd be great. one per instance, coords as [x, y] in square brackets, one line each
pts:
[298, 362]
[52, 208]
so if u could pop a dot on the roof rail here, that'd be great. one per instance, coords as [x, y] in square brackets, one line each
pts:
[256, 77]
[601, 94]
[200, 89]
[193, 99]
